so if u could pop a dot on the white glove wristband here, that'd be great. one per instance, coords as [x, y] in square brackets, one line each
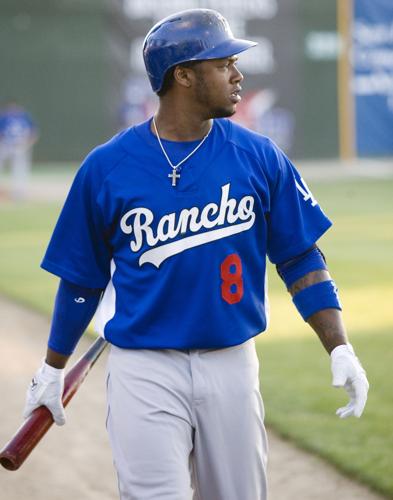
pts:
[342, 349]
[50, 373]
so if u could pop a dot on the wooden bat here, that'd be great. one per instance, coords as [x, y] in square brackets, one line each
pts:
[35, 427]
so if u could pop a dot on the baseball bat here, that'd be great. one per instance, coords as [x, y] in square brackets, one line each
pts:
[37, 425]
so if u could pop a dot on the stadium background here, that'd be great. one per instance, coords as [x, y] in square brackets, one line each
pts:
[76, 65]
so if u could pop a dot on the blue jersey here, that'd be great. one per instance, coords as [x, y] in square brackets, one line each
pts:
[183, 267]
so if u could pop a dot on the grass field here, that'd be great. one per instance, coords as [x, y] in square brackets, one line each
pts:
[295, 371]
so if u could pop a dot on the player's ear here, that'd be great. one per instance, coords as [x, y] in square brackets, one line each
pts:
[183, 76]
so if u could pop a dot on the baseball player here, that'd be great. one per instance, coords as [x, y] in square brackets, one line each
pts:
[18, 133]
[167, 227]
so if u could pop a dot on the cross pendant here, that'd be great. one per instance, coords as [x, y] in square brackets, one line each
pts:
[174, 175]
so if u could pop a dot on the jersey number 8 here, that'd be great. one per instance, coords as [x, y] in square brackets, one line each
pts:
[232, 280]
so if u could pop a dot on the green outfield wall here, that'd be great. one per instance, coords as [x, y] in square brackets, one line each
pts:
[65, 61]
[68, 62]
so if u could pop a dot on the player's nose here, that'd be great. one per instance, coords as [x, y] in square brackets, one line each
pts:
[237, 76]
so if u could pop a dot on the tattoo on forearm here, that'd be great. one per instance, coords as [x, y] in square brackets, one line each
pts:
[327, 323]
[308, 280]
[329, 327]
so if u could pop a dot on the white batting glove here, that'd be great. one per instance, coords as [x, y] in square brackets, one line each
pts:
[349, 373]
[46, 389]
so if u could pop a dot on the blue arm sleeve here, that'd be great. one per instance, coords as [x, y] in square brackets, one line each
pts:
[294, 269]
[74, 308]
[322, 295]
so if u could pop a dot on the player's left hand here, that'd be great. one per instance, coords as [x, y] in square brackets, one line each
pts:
[349, 373]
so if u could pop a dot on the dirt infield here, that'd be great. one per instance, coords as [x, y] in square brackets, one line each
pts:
[74, 461]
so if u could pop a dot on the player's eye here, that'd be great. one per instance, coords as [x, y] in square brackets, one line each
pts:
[225, 65]
[232, 63]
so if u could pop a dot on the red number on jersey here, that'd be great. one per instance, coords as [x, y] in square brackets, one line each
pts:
[232, 281]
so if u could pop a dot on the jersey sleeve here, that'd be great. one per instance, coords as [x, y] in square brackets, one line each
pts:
[79, 249]
[295, 220]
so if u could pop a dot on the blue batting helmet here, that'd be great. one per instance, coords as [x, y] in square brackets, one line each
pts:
[190, 35]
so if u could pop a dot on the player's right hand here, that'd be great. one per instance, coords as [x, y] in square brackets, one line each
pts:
[46, 389]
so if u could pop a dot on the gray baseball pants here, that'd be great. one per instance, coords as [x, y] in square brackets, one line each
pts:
[187, 424]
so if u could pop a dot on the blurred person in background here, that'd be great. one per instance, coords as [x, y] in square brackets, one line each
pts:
[18, 134]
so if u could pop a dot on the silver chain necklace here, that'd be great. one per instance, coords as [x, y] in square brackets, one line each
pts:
[175, 172]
